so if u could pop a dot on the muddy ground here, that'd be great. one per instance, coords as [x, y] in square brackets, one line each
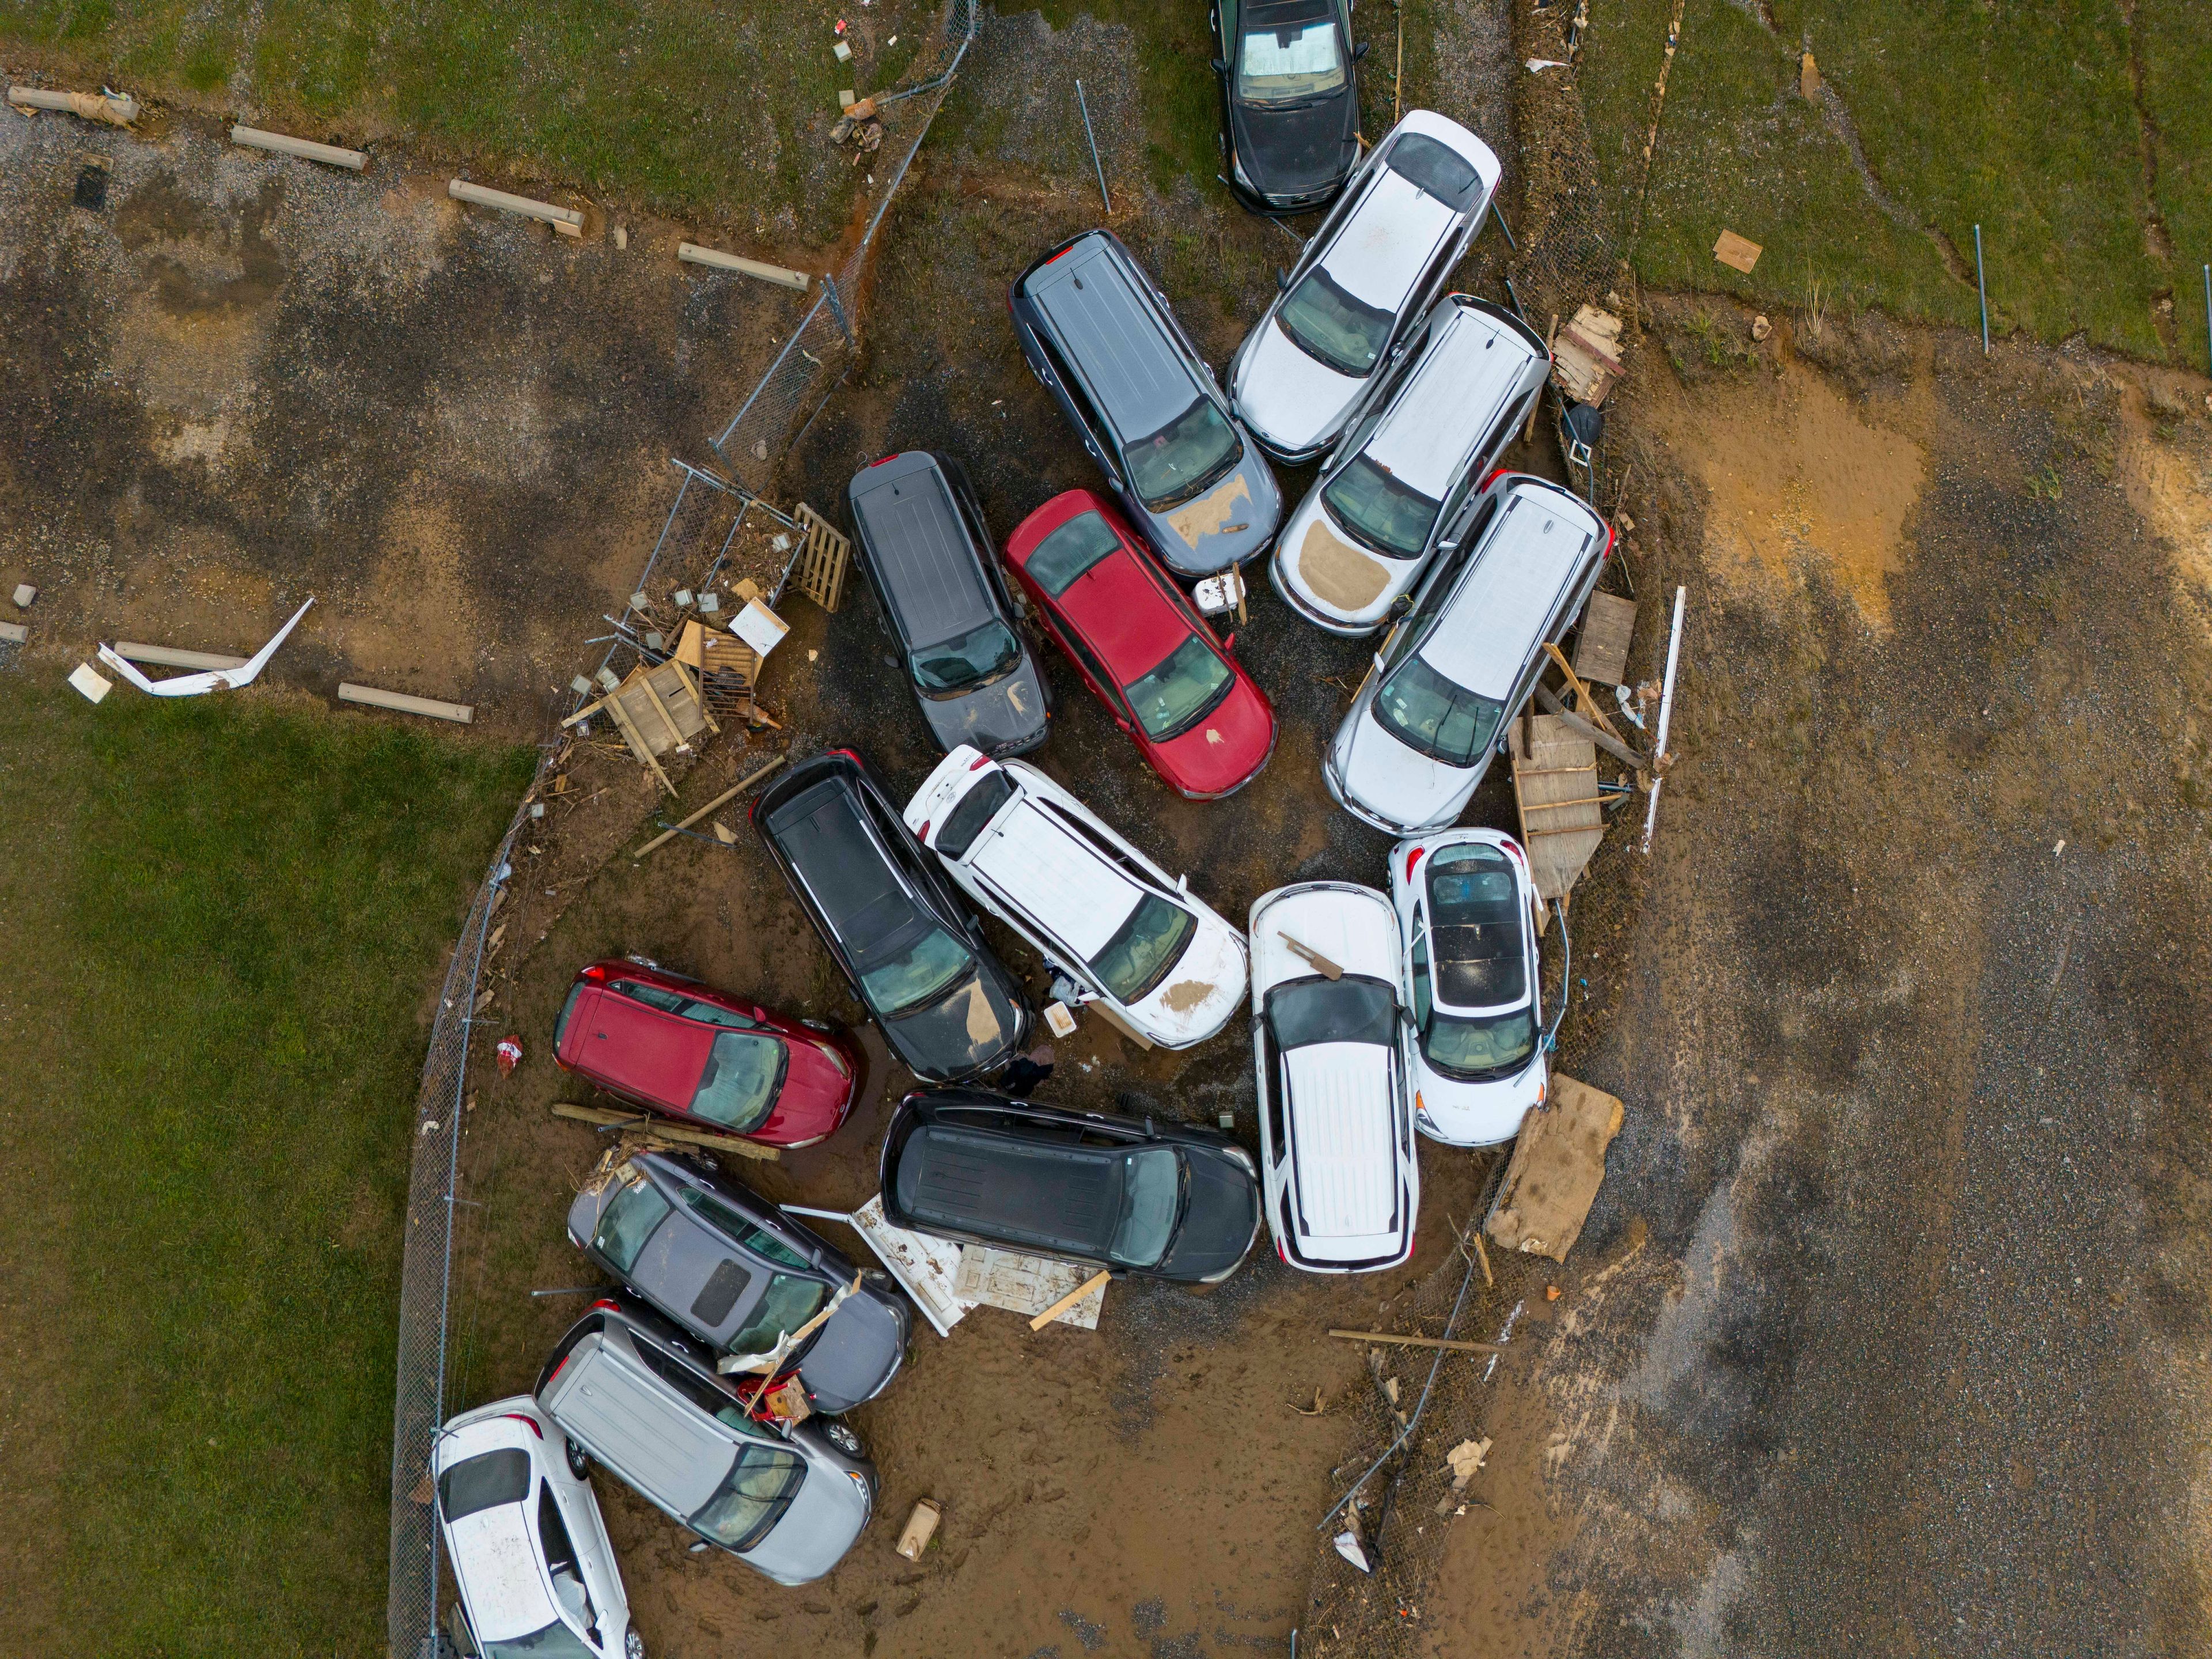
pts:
[1888, 1331]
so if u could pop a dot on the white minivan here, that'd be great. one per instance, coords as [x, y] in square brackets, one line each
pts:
[1475, 1046]
[1100, 912]
[1402, 485]
[1336, 1164]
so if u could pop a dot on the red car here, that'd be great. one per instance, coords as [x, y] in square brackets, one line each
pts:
[1193, 711]
[670, 1043]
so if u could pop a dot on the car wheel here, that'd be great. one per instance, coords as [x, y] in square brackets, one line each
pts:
[842, 1438]
[632, 1645]
[579, 1464]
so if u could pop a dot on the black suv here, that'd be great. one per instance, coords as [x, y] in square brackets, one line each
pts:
[1100, 337]
[947, 1005]
[928, 558]
[1161, 1200]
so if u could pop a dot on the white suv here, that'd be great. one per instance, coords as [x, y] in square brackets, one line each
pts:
[1474, 1048]
[529, 1551]
[1102, 913]
[1337, 1162]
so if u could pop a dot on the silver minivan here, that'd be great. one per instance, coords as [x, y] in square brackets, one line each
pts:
[1427, 718]
[1403, 483]
[787, 1500]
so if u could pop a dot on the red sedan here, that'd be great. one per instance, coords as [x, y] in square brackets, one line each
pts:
[670, 1043]
[1193, 711]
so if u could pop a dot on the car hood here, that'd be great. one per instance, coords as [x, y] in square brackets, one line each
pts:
[970, 1029]
[1220, 1220]
[1333, 575]
[857, 1353]
[814, 1099]
[1225, 750]
[1201, 992]
[1221, 526]
[824, 1518]
[1297, 152]
[1402, 787]
[1293, 402]
[1471, 1114]
[1005, 717]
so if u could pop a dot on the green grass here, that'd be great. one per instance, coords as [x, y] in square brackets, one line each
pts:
[1174, 72]
[2018, 116]
[681, 107]
[223, 962]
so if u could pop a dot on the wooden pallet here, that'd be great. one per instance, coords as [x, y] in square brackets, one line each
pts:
[824, 559]
[1555, 789]
[656, 709]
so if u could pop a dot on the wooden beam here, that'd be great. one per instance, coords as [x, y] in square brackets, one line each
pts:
[720, 800]
[169, 657]
[1605, 740]
[460, 713]
[1589, 703]
[714, 259]
[664, 1129]
[306, 148]
[1070, 1299]
[635, 740]
[1419, 1341]
[568, 221]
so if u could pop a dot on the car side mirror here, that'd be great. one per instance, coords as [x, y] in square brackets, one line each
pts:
[1220, 68]
[1182, 885]
[1282, 277]
[1378, 662]
[1359, 52]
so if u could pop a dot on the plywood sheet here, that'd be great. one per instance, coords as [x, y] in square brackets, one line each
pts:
[1555, 786]
[1026, 1285]
[1601, 649]
[1559, 1163]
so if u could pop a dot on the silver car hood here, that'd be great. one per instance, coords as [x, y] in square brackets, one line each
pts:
[817, 1530]
[1401, 786]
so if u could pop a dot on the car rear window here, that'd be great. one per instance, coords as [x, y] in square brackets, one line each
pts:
[1437, 167]
[484, 1482]
[626, 1223]
[1070, 551]
[753, 1496]
[976, 808]
[739, 1082]
[1348, 1010]
[567, 1009]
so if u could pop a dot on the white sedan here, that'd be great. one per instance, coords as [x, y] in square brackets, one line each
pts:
[523, 1534]
[1337, 1160]
[1474, 1047]
[1099, 911]
[1379, 260]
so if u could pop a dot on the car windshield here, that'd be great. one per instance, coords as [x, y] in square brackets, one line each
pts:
[555, 1641]
[788, 1302]
[739, 1084]
[1174, 696]
[1183, 457]
[1352, 1009]
[1436, 167]
[1137, 958]
[1477, 1050]
[1481, 954]
[919, 975]
[484, 1482]
[752, 1497]
[1327, 323]
[1064, 556]
[966, 821]
[1391, 518]
[1151, 1194]
[1424, 711]
[1285, 66]
[981, 654]
[626, 1223]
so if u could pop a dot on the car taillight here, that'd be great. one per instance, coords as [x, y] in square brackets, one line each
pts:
[922, 834]
[609, 1304]
[1541, 1090]
[1495, 475]
[558, 1369]
[1606, 552]
[849, 756]
[979, 762]
[893, 456]
[529, 1422]
[594, 973]
[1412, 859]
[1283, 1251]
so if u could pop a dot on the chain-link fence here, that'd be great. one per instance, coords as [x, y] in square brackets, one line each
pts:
[820, 351]
[702, 538]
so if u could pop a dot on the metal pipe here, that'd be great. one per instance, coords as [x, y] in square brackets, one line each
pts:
[1502, 226]
[1665, 714]
[2207, 317]
[1093, 137]
[1982, 289]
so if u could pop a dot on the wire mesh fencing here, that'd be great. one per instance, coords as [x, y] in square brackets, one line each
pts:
[1570, 247]
[821, 350]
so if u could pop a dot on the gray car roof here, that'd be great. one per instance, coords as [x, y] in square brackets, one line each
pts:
[921, 550]
[632, 1422]
[1112, 338]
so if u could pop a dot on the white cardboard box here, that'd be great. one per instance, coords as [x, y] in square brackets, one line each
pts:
[759, 627]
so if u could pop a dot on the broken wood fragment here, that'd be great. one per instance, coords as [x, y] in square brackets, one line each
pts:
[1450, 1344]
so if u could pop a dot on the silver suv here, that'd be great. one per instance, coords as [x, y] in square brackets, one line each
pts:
[787, 1499]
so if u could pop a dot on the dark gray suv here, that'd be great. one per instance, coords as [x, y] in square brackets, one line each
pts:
[738, 1273]
[928, 558]
[1100, 337]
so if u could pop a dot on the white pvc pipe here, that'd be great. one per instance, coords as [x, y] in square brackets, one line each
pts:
[122, 103]
[306, 148]
[1666, 712]
[567, 220]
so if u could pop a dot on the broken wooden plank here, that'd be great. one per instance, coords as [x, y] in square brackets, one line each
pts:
[1736, 252]
[1450, 1344]
[823, 558]
[662, 1128]
[1026, 1285]
[1558, 1162]
[715, 259]
[369, 696]
[166, 656]
[1601, 650]
[1549, 701]
[638, 746]
[719, 802]
[1096, 1282]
